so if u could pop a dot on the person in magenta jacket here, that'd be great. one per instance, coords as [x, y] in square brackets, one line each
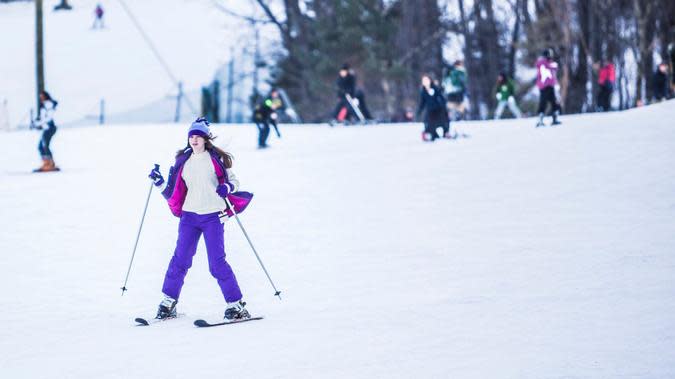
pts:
[606, 79]
[196, 190]
[547, 70]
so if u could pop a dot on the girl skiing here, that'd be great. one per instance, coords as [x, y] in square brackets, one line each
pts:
[45, 122]
[431, 99]
[197, 188]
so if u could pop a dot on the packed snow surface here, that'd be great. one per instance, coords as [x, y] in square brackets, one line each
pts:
[516, 253]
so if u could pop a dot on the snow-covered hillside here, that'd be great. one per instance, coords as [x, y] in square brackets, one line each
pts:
[83, 65]
[516, 253]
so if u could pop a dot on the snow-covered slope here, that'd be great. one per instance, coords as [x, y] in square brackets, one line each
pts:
[83, 65]
[516, 253]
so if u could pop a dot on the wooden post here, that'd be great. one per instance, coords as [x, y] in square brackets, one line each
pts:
[101, 114]
[178, 100]
[230, 86]
[39, 52]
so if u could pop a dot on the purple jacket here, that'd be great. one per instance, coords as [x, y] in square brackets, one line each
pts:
[547, 70]
[176, 189]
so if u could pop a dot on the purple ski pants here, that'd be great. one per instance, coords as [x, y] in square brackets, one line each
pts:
[190, 229]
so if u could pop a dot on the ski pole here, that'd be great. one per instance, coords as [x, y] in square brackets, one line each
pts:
[274, 124]
[229, 205]
[124, 287]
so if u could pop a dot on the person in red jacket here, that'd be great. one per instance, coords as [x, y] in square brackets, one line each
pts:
[606, 78]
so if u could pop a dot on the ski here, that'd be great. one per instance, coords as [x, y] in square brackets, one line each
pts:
[356, 108]
[38, 171]
[543, 125]
[140, 321]
[457, 135]
[204, 324]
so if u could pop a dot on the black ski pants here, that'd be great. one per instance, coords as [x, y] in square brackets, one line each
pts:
[436, 119]
[605, 97]
[546, 96]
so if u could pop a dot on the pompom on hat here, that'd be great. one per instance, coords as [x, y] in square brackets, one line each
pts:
[199, 127]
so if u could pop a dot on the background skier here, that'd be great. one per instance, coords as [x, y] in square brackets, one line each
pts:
[547, 70]
[346, 85]
[661, 85]
[195, 190]
[606, 79]
[45, 122]
[98, 17]
[671, 56]
[265, 115]
[505, 92]
[454, 85]
[436, 115]
[277, 104]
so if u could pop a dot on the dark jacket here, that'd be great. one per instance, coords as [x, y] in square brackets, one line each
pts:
[431, 100]
[262, 111]
[346, 85]
[660, 85]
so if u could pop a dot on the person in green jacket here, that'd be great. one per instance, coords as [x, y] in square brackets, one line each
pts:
[505, 92]
[454, 85]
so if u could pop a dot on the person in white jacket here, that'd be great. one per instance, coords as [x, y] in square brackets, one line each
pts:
[45, 122]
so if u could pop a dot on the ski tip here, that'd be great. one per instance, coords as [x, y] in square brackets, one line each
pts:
[141, 321]
[201, 323]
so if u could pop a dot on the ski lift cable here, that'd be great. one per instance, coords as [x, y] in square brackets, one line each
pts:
[154, 50]
[250, 19]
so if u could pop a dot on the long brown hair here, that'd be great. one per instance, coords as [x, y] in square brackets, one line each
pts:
[225, 157]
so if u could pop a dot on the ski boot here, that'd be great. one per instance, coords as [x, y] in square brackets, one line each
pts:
[45, 163]
[236, 311]
[47, 166]
[555, 119]
[428, 137]
[167, 308]
[50, 166]
[540, 123]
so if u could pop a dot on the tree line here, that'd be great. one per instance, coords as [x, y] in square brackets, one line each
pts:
[392, 43]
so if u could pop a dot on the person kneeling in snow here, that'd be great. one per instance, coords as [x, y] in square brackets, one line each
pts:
[432, 100]
[197, 188]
